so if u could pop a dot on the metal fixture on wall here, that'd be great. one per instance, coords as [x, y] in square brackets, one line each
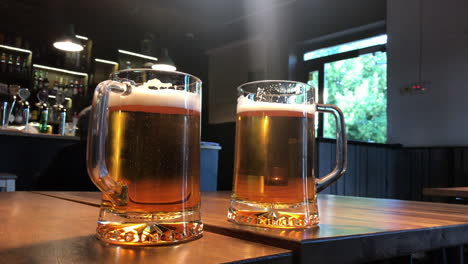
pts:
[165, 63]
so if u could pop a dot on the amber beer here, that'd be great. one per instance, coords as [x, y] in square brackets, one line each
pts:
[273, 155]
[146, 151]
[153, 151]
[274, 158]
[274, 181]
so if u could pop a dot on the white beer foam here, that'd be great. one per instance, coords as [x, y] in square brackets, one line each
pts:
[154, 96]
[245, 105]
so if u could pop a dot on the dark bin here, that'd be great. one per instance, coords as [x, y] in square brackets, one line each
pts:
[209, 166]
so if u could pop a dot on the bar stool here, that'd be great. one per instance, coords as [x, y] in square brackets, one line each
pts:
[7, 182]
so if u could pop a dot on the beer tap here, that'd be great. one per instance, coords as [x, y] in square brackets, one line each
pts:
[23, 114]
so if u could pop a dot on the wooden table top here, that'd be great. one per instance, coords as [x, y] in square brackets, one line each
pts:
[41, 229]
[458, 192]
[351, 229]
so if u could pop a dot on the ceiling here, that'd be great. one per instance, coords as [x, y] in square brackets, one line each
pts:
[183, 25]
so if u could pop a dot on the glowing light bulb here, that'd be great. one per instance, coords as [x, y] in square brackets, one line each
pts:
[68, 46]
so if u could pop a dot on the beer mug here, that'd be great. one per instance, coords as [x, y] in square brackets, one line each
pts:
[144, 155]
[274, 171]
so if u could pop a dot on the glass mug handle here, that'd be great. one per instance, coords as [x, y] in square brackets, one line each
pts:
[97, 136]
[341, 152]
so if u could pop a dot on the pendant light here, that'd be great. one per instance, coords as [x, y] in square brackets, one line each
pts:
[164, 63]
[69, 42]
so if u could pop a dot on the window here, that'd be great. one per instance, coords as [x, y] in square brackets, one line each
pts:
[352, 76]
[359, 44]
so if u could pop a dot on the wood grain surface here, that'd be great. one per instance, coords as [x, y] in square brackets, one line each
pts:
[354, 229]
[40, 229]
[88, 198]
[351, 229]
[457, 192]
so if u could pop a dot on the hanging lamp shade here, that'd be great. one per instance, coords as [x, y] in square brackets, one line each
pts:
[165, 63]
[68, 42]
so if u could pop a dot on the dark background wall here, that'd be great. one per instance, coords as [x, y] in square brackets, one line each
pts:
[227, 43]
[394, 171]
[427, 38]
[272, 37]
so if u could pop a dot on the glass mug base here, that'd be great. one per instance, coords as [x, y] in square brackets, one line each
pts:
[273, 215]
[148, 229]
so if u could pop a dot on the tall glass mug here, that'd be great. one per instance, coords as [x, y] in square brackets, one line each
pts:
[144, 155]
[274, 170]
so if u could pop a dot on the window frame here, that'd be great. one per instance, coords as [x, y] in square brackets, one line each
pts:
[318, 64]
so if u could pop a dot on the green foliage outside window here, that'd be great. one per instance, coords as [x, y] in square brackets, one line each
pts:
[359, 87]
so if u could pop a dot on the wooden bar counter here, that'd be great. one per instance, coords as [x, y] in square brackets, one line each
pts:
[455, 192]
[351, 229]
[41, 229]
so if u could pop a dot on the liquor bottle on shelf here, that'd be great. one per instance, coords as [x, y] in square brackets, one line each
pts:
[18, 40]
[81, 99]
[24, 66]
[60, 114]
[55, 87]
[76, 102]
[40, 81]
[45, 82]
[81, 85]
[18, 64]
[35, 81]
[76, 86]
[60, 84]
[67, 90]
[3, 62]
[43, 96]
[33, 110]
[10, 63]
[71, 87]
[51, 116]
[33, 103]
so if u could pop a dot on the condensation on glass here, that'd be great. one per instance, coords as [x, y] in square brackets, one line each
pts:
[274, 169]
[144, 155]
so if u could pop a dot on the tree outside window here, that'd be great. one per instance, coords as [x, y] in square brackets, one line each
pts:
[358, 85]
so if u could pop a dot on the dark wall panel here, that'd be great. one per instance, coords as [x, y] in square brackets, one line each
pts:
[324, 164]
[460, 167]
[374, 170]
[351, 174]
[392, 167]
[29, 156]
